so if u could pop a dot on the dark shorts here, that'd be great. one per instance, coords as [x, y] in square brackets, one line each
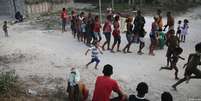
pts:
[95, 60]
[169, 52]
[129, 38]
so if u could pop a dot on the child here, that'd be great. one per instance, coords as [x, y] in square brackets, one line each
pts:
[184, 30]
[76, 89]
[172, 43]
[5, 28]
[161, 38]
[178, 34]
[173, 61]
[191, 67]
[94, 54]
[142, 89]
[129, 35]
[73, 23]
[116, 35]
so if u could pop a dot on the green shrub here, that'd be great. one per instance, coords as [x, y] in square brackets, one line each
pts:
[7, 81]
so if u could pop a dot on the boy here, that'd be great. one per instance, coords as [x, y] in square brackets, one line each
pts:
[142, 89]
[173, 61]
[94, 54]
[191, 67]
[5, 28]
[172, 43]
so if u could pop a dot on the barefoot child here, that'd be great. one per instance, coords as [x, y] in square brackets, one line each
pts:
[178, 34]
[5, 28]
[94, 54]
[173, 61]
[191, 67]
[184, 30]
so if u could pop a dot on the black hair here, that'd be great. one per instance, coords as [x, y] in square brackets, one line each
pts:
[179, 22]
[109, 17]
[198, 47]
[186, 21]
[64, 9]
[107, 70]
[142, 88]
[166, 96]
[116, 18]
[159, 11]
[5, 22]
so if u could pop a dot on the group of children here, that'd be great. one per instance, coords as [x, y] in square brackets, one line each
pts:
[182, 31]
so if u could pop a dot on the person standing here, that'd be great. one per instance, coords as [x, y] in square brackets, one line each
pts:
[170, 22]
[139, 30]
[5, 28]
[116, 35]
[64, 17]
[153, 36]
[96, 30]
[159, 19]
[105, 85]
[184, 30]
[129, 35]
[107, 29]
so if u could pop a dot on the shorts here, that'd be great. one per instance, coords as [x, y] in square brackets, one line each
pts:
[169, 52]
[129, 38]
[95, 59]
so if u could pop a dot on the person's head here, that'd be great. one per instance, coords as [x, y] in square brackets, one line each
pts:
[142, 88]
[159, 11]
[179, 22]
[186, 21]
[109, 17]
[116, 18]
[64, 9]
[82, 14]
[160, 29]
[96, 18]
[168, 14]
[166, 96]
[155, 18]
[96, 44]
[107, 70]
[171, 32]
[129, 19]
[5, 22]
[198, 48]
[138, 13]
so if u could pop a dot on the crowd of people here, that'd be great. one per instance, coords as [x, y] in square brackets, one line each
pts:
[88, 29]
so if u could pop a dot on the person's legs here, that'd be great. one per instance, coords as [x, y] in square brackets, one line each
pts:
[6, 33]
[97, 62]
[115, 42]
[99, 37]
[118, 43]
[176, 72]
[92, 60]
[142, 44]
[178, 83]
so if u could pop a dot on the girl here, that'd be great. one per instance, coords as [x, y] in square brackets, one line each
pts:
[116, 34]
[184, 30]
[178, 34]
[153, 36]
[83, 30]
[129, 35]
[107, 29]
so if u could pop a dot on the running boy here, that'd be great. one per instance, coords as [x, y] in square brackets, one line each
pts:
[173, 61]
[94, 54]
[191, 67]
[5, 28]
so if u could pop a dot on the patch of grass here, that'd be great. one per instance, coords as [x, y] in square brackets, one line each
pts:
[8, 80]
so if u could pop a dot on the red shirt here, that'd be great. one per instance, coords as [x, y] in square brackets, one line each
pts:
[64, 15]
[116, 31]
[97, 26]
[107, 26]
[104, 87]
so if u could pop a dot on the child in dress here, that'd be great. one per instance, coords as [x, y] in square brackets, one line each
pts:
[184, 30]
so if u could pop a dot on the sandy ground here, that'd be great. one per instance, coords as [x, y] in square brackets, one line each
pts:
[32, 51]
